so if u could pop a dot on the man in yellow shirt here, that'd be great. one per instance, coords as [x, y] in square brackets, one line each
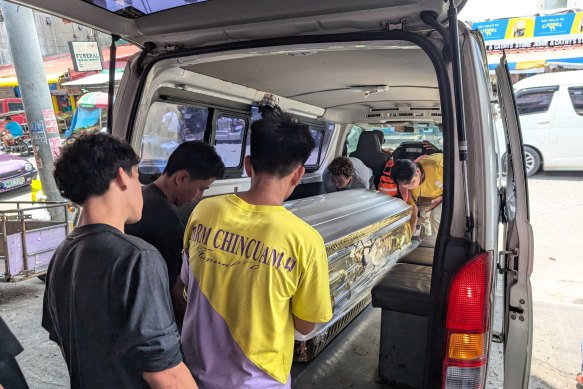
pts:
[421, 185]
[255, 272]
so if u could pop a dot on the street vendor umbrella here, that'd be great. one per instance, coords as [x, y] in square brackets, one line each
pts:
[93, 100]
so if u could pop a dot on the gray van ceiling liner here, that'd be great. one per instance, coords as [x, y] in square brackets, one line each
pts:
[196, 23]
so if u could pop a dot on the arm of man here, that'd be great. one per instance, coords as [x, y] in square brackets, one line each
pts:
[178, 302]
[302, 326]
[175, 377]
[149, 340]
[311, 303]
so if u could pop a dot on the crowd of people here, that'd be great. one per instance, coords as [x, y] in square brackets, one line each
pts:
[135, 298]
[132, 304]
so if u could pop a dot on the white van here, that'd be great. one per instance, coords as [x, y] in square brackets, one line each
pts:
[551, 116]
[337, 65]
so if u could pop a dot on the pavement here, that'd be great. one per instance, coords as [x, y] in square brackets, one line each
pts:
[556, 215]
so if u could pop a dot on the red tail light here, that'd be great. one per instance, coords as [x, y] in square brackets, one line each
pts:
[468, 317]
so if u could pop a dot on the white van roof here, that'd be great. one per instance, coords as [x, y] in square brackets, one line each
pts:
[574, 77]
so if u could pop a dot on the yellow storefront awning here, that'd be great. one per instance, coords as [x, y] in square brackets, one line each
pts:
[13, 81]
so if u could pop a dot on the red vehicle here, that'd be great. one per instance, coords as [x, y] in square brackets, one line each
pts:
[13, 105]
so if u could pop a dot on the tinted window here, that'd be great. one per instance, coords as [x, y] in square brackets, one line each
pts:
[167, 126]
[15, 107]
[576, 95]
[229, 132]
[533, 102]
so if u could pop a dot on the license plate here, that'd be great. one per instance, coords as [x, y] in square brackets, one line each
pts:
[13, 182]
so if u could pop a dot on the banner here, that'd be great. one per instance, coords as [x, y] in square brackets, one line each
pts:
[532, 33]
[531, 27]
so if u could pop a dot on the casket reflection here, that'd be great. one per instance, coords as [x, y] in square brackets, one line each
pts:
[365, 233]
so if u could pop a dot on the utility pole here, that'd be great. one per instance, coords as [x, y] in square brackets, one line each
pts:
[34, 88]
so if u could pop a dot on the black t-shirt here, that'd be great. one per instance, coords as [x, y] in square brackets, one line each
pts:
[9, 345]
[107, 305]
[162, 228]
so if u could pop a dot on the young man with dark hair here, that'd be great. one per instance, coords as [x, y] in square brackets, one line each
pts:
[255, 271]
[421, 185]
[346, 173]
[106, 302]
[191, 169]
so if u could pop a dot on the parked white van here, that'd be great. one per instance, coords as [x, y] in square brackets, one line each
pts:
[551, 116]
[337, 65]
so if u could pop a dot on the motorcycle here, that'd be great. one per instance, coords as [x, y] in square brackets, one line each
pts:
[20, 145]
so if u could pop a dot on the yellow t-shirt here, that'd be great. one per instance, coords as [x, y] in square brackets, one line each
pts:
[256, 266]
[432, 186]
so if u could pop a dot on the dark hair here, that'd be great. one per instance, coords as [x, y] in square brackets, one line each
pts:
[199, 159]
[341, 166]
[403, 171]
[87, 166]
[279, 144]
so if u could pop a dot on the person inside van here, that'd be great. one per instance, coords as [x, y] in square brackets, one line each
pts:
[191, 169]
[255, 271]
[106, 302]
[421, 185]
[345, 173]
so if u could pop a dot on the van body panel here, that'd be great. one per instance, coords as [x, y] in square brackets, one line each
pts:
[517, 259]
[556, 133]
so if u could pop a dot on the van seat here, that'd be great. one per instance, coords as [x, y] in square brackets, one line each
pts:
[420, 256]
[405, 288]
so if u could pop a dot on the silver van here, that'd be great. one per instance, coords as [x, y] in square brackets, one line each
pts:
[337, 65]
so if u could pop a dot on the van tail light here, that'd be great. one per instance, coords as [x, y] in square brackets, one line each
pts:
[467, 325]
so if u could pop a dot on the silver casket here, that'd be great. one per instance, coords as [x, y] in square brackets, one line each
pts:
[365, 232]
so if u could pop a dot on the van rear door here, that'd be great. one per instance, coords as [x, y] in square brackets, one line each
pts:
[517, 258]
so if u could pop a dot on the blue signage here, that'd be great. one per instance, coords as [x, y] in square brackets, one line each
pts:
[492, 30]
[553, 24]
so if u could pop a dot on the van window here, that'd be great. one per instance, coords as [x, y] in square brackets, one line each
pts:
[167, 126]
[534, 102]
[395, 135]
[229, 139]
[15, 107]
[321, 137]
[576, 95]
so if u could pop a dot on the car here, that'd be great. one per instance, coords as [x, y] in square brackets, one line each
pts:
[336, 64]
[15, 172]
[551, 116]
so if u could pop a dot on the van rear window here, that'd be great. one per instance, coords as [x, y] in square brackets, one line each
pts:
[135, 9]
[576, 95]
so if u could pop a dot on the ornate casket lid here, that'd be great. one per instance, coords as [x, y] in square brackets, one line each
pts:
[340, 214]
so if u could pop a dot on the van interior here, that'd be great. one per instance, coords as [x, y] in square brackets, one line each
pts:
[345, 92]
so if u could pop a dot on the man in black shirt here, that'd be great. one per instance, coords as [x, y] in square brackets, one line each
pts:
[191, 169]
[106, 302]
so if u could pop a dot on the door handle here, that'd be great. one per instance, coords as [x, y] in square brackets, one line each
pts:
[544, 122]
